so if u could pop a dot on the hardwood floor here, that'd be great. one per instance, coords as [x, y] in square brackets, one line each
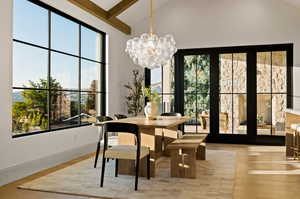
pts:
[261, 159]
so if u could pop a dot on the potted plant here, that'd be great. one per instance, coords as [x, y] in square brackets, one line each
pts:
[151, 109]
[135, 97]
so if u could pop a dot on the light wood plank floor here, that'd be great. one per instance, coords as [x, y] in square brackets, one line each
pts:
[247, 186]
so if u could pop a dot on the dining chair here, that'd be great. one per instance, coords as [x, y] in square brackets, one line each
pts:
[100, 119]
[120, 116]
[169, 114]
[127, 152]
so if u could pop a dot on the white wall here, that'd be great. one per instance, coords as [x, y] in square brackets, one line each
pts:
[14, 152]
[218, 23]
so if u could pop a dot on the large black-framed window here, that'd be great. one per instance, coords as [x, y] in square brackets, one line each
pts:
[161, 81]
[242, 61]
[59, 70]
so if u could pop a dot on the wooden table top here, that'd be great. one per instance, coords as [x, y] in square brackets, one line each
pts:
[160, 122]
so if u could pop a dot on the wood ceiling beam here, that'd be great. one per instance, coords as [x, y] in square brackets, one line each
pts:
[120, 7]
[102, 14]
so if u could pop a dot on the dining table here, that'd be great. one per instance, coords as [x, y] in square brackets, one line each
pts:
[155, 134]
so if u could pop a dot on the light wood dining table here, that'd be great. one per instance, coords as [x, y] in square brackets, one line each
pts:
[154, 134]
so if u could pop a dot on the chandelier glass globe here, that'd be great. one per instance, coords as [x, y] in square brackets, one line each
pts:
[149, 50]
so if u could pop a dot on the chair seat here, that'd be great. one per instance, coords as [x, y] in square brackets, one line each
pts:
[125, 152]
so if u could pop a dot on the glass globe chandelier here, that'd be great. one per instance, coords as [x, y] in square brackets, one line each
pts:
[149, 50]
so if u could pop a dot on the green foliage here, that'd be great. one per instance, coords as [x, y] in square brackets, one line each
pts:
[134, 99]
[151, 96]
[32, 112]
[196, 84]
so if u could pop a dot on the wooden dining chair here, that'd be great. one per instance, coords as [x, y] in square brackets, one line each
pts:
[127, 152]
[100, 119]
[168, 114]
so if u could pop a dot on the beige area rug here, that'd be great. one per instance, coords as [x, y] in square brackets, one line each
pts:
[215, 180]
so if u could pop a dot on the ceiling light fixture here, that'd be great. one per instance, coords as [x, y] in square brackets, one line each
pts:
[149, 50]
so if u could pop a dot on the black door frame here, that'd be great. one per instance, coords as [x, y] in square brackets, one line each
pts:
[215, 136]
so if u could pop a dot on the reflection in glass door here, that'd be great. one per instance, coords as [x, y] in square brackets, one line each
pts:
[196, 92]
[271, 92]
[233, 93]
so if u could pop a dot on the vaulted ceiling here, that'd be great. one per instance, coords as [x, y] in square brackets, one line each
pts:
[126, 13]
[135, 13]
[121, 14]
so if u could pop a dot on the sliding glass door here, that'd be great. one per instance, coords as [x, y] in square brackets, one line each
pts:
[237, 94]
[271, 92]
[196, 92]
[233, 93]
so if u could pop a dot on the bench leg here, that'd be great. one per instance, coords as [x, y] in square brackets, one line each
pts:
[201, 152]
[183, 163]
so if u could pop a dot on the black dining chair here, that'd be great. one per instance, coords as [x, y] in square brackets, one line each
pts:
[100, 119]
[128, 152]
[120, 116]
[171, 114]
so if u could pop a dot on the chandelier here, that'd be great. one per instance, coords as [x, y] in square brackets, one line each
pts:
[149, 50]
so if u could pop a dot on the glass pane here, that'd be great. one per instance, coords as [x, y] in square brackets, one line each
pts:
[29, 111]
[203, 112]
[30, 66]
[240, 73]
[64, 71]
[156, 85]
[239, 114]
[30, 23]
[90, 75]
[91, 42]
[226, 73]
[226, 114]
[203, 64]
[264, 114]
[168, 102]
[190, 108]
[64, 34]
[190, 77]
[278, 114]
[168, 78]
[279, 69]
[264, 72]
[160, 105]
[90, 106]
[64, 109]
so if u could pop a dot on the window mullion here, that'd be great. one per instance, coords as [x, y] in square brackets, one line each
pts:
[79, 76]
[49, 70]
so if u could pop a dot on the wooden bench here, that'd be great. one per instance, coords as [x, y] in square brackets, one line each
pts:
[200, 139]
[184, 153]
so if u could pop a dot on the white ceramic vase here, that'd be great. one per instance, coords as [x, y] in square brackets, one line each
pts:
[151, 110]
[147, 109]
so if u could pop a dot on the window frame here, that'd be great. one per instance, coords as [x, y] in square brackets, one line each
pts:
[102, 63]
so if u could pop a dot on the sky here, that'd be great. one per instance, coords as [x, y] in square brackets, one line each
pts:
[31, 63]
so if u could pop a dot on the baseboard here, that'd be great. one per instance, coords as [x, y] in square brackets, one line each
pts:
[17, 172]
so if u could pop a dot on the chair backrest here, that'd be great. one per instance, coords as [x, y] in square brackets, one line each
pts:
[171, 114]
[119, 127]
[103, 118]
[120, 116]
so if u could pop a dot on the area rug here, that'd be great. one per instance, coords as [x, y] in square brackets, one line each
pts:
[215, 180]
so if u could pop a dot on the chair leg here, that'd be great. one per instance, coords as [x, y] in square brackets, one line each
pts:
[116, 168]
[97, 154]
[137, 174]
[148, 167]
[102, 171]
[162, 140]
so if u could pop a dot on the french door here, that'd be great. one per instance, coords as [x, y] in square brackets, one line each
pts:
[236, 94]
